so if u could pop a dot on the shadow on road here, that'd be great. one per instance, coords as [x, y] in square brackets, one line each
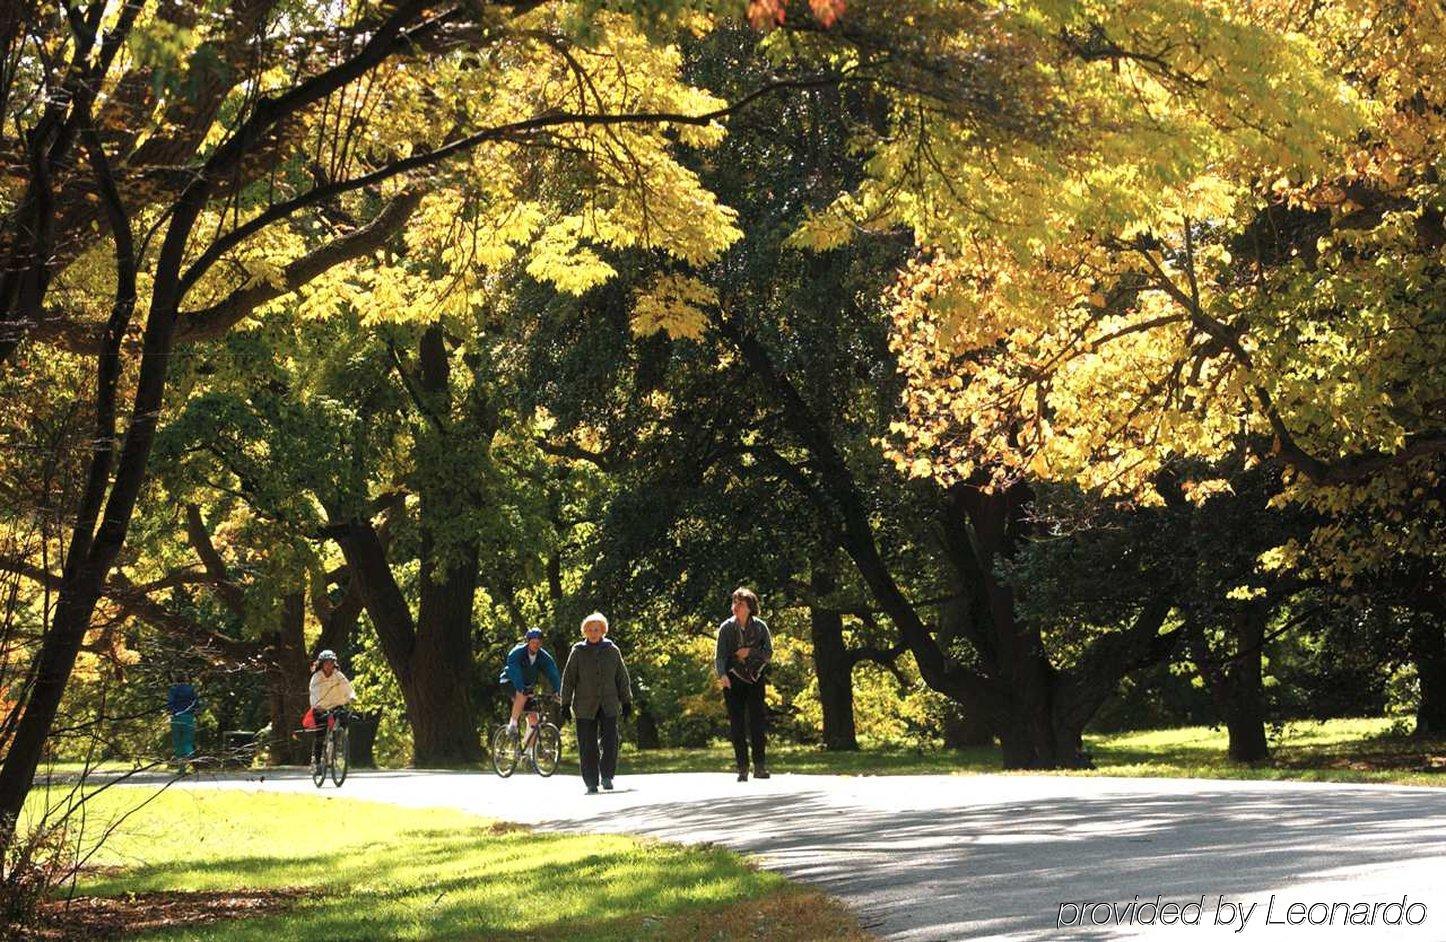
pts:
[1001, 870]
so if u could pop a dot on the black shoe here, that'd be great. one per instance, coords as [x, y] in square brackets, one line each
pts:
[760, 772]
[607, 784]
[742, 775]
[592, 789]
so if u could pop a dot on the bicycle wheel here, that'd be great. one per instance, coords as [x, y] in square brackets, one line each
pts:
[506, 750]
[341, 755]
[318, 769]
[546, 750]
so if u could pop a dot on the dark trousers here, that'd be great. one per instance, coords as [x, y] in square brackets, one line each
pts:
[589, 732]
[747, 719]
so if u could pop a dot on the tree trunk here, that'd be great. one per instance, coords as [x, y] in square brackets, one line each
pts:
[93, 550]
[1428, 650]
[1234, 680]
[1244, 692]
[834, 667]
[431, 655]
[444, 724]
[289, 676]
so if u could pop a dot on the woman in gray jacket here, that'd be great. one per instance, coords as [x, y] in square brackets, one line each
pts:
[595, 689]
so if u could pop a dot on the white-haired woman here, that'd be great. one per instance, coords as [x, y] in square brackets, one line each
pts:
[596, 690]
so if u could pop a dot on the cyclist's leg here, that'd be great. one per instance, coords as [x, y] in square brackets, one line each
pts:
[318, 738]
[519, 699]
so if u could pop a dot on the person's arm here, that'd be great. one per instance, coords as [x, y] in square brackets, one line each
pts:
[765, 642]
[549, 667]
[350, 693]
[724, 652]
[569, 679]
[314, 688]
[624, 684]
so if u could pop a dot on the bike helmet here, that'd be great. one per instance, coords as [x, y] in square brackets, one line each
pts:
[327, 655]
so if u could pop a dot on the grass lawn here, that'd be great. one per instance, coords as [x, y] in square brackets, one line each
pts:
[1345, 750]
[334, 868]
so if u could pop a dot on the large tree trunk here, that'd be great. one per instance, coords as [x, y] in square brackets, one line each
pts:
[1428, 650]
[444, 723]
[1244, 692]
[288, 676]
[431, 655]
[93, 550]
[833, 665]
[1235, 682]
[1033, 733]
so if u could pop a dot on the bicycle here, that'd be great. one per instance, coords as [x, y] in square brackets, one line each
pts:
[542, 744]
[335, 751]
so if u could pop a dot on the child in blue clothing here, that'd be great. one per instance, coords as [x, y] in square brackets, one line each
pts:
[182, 704]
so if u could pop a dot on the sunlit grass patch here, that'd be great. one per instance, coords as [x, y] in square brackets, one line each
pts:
[374, 871]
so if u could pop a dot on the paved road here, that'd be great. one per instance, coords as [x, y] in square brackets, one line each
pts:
[994, 856]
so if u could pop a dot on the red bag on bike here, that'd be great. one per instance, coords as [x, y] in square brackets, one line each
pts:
[308, 719]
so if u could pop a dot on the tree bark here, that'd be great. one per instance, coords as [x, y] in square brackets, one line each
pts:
[1235, 682]
[444, 724]
[1244, 689]
[833, 665]
[289, 675]
[431, 655]
[1428, 650]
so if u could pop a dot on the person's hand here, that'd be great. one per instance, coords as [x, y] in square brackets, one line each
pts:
[628, 709]
[742, 653]
[726, 682]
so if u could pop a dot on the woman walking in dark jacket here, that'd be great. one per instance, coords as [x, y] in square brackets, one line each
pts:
[744, 649]
[596, 690]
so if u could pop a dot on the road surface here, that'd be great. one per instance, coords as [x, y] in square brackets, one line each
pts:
[1013, 857]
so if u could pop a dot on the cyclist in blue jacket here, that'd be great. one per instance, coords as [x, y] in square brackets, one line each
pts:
[519, 675]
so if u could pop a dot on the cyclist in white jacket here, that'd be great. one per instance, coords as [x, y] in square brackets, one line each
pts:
[329, 690]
